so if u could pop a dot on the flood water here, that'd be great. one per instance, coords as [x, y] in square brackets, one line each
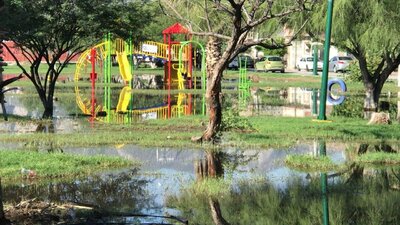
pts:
[291, 102]
[252, 187]
[206, 187]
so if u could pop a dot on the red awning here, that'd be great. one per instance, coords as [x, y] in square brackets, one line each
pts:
[177, 28]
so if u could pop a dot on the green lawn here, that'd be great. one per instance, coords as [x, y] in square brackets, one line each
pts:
[268, 131]
[15, 165]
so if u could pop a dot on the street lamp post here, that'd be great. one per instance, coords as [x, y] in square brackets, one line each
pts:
[324, 79]
[315, 60]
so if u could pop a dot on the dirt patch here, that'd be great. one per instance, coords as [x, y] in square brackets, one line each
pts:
[34, 212]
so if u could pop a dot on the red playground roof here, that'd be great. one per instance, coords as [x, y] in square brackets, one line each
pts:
[177, 28]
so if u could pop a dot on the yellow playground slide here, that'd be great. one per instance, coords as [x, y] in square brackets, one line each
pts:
[124, 99]
[124, 66]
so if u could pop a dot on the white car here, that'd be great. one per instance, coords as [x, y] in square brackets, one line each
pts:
[339, 63]
[306, 63]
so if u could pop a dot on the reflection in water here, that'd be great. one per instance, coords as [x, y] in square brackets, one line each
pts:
[45, 144]
[256, 201]
[123, 191]
[247, 193]
[131, 108]
[121, 197]
[324, 181]
[212, 167]
[293, 101]
[260, 203]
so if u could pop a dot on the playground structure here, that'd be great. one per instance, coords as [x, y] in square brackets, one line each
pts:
[178, 74]
[244, 83]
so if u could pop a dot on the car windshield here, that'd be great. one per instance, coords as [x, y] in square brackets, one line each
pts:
[274, 59]
[345, 58]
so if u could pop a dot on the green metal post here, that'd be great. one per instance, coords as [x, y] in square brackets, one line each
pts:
[130, 53]
[105, 69]
[244, 83]
[315, 60]
[324, 184]
[203, 70]
[325, 209]
[107, 77]
[324, 79]
[314, 102]
[242, 77]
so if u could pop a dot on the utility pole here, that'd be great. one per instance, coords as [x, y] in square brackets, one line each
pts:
[324, 79]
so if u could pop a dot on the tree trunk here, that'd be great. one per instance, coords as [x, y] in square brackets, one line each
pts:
[373, 82]
[3, 219]
[213, 91]
[216, 213]
[369, 85]
[211, 166]
[369, 102]
[48, 103]
[48, 109]
[1, 204]
[357, 171]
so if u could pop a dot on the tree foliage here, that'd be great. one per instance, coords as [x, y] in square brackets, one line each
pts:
[45, 30]
[369, 30]
[231, 27]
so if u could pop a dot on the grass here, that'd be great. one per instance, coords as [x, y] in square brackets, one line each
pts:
[268, 131]
[325, 164]
[278, 80]
[55, 165]
[312, 163]
[285, 131]
[214, 187]
[379, 158]
[163, 133]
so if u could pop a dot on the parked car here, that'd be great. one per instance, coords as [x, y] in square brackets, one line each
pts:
[307, 63]
[339, 63]
[244, 60]
[270, 63]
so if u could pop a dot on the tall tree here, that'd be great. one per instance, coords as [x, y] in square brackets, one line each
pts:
[46, 30]
[230, 27]
[3, 219]
[369, 30]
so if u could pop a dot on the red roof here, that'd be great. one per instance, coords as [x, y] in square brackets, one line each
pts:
[177, 28]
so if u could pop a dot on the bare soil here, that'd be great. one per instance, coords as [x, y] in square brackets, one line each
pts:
[39, 212]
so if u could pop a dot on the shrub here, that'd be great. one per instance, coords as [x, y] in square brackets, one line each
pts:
[231, 120]
[352, 107]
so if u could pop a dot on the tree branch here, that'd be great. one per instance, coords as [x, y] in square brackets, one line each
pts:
[16, 60]
[205, 34]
